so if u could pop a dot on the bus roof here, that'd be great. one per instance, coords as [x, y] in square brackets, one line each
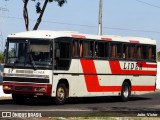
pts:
[46, 34]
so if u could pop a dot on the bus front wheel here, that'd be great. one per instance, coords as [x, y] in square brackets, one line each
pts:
[125, 92]
[61, 94]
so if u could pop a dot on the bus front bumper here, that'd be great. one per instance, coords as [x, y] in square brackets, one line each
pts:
[27, 89]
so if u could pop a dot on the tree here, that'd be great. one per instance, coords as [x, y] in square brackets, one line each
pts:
[158, 56]
[40, 10]
[1, 57]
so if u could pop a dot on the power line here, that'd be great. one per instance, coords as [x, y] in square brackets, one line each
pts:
[148, 3]
[134, 30]
[89, 26]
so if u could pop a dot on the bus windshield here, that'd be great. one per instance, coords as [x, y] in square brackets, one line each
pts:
[29, 53]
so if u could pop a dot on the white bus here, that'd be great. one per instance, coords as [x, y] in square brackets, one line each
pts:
[63, 64]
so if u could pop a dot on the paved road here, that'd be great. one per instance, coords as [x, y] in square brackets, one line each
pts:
[147, 104]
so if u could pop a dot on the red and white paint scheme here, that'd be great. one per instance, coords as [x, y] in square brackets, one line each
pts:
[71, 75]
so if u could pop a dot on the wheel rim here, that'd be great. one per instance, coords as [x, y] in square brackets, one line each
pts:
[126, 92]
[60, 94]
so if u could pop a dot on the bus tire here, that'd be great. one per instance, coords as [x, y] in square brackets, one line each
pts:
[61, 94]
[125, 92]
[18, 99]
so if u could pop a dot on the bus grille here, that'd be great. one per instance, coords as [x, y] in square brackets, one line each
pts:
[23, 88]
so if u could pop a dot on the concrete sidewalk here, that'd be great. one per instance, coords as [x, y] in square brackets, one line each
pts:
[2, 94]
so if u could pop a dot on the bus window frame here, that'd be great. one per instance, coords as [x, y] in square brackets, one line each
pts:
[91, 42]
[105, 49]
[116, 50]
[109, 43]
[60, 40]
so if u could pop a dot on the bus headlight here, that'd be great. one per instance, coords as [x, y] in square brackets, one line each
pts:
[7, 87]
[40, 89]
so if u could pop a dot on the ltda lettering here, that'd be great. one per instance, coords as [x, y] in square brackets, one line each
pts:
[132, 66]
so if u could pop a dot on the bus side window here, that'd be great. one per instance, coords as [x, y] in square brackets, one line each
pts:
[96, 50]
[81, 47]
[145, 52]
[63, 45]
[139, 52]
[119, 50]
[125, 51]
[86, 49]
[101, 49]
[113, 50]
[131, 54]
[75, 49]
[116, 50]
[152, 53]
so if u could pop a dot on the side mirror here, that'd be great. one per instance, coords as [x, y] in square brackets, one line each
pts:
[57, 54]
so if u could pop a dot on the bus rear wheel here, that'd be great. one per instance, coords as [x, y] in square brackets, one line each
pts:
[61, 94]
[125, 92]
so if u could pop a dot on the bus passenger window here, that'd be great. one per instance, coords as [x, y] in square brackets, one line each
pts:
[75, 48]
[139, 54]
[124, 55]
[96, 54]
[101, 49]
[116, 50]
[63, 45]
[87, 49]
[125, 51]
[131, 54]
[81, 49]
[145, 52]
[113, 51]
[152, 53]
[119, 50]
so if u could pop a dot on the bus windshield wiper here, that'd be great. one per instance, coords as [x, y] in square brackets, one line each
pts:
[32, 61]
[14, 63]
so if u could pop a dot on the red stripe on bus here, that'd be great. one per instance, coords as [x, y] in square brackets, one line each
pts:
[92, 83]
[108, 39]
[116, 69]
[144, 64]
[143, 88]
[78, 36]
[91, 79]
[134, 41]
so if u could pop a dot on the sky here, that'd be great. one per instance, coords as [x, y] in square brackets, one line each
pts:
[140, 18]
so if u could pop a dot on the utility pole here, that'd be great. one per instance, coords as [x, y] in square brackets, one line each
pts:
[100, 18]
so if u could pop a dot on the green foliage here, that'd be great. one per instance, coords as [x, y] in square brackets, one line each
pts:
[1, 57]
[60, 2]
[39, 9]
[158, 56]
[38, 4]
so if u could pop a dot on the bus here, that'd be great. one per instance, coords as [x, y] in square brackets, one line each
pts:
[64, 64]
